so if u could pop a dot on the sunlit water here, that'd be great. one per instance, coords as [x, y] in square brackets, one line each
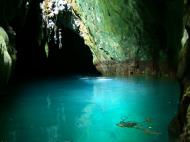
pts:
[88, 110]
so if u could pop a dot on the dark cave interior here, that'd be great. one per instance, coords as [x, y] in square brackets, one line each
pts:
[74, 58]
[140, 37]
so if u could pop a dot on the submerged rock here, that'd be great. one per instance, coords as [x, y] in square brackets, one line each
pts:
[127, 124]
[139, 125]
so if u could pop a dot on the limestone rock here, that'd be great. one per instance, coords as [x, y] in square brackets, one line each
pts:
[6, 57]
[119, 32]
[183, 115]
[125, 37]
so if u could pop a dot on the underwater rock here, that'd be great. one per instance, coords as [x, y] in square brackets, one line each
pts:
[139, 125]
[128, 124]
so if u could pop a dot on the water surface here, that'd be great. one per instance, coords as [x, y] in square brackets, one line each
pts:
[88, 109]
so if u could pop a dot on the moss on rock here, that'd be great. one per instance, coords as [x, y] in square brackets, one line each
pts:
[125, 31]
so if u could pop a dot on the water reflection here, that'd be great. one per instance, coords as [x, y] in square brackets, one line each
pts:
[88, 110]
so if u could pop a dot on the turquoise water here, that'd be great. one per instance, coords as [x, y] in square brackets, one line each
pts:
[87, 109]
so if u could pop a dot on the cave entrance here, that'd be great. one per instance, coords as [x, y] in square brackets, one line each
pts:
[74, 57]
[50, 50]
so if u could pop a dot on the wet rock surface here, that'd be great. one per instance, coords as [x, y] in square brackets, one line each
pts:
[135, 31]
[179, 128]
[7, 57]
[126, 37]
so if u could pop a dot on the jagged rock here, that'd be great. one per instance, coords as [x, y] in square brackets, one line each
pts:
[125, 37]
[119, 32]
[182, 119]
[139, 36]
[108, 28]
[7, 57]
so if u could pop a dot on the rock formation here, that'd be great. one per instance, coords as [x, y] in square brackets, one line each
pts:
[179, 128]
[125, 37]
[7, 57]
[130, 37]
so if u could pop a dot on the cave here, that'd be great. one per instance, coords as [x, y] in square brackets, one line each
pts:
[32, 61]
[89, 71]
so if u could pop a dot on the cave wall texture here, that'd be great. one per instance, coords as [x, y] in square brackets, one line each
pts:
[132, 36]
[125, 37]
[179, 128]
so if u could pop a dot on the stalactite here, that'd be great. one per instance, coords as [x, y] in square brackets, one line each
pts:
[50, 11]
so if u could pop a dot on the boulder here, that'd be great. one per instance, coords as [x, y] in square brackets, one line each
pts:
[6, 60]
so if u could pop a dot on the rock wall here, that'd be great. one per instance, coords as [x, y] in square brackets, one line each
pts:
[7, 57]
[131, 36]
[125, 37]
[179, 128]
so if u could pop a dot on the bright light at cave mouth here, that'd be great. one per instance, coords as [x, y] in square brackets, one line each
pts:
[91, 109]
[97, 78]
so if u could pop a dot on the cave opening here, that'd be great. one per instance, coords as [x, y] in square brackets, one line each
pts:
[35, 61]
[73, 57]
